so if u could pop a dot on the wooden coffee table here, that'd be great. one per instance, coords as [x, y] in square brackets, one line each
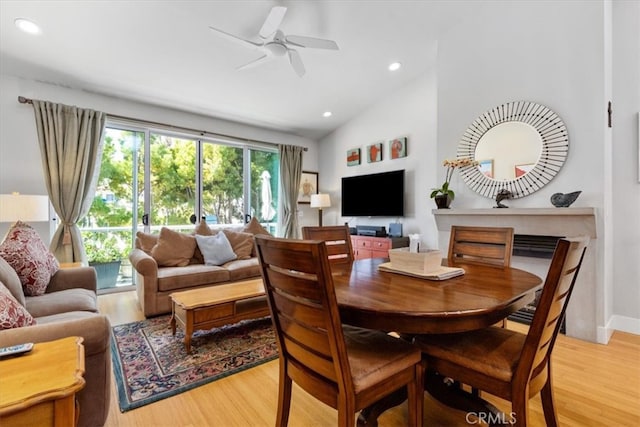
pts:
[206, 308]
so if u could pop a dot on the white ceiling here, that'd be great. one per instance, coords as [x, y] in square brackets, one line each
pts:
[162, 52]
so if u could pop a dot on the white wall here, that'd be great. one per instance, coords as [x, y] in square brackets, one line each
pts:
[626, 170]
[20, 163]
[409, 112]
[552, 53]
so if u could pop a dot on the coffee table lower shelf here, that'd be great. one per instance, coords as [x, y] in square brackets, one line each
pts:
[206, 308]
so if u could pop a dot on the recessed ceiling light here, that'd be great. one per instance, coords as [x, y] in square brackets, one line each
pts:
[327, 114]
[394, 66]
[27, 26]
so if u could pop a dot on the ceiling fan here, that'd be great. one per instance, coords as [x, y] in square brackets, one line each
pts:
[275, 43]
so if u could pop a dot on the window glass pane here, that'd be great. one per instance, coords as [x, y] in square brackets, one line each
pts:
[173, 182]
[222, 184]
[264, 188]
[107, 230]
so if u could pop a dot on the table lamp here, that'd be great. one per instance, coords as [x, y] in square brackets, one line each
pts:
[24, 207]
[320, 201]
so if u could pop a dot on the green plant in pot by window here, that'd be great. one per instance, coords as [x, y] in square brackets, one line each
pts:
[103, 248]
[444, 195]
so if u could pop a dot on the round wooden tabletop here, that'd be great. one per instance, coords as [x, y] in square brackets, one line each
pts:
[390, 301]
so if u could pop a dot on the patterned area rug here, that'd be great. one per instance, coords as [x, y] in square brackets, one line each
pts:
[150, 364]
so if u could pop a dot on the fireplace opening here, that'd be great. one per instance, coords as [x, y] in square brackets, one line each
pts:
[535, 247]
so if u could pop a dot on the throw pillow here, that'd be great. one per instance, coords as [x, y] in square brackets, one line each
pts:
[216, 249]
[10, 278]
[254, 228]
[12, 314]
[203, 229]
[146, 241]
[173, 249]
[26, 253]
[242, 243]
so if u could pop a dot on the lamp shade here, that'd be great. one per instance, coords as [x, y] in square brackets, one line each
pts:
[23, 207]
[320, 201]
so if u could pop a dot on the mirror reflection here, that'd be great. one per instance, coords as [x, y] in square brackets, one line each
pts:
[508, 150]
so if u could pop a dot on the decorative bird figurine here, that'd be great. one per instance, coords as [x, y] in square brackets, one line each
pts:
[561, 200]
[502, 195]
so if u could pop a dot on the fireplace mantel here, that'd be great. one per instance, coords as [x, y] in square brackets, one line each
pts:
[565, 222]
[560, 222]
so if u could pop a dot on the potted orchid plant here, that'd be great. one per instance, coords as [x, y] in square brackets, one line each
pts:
[443, 195]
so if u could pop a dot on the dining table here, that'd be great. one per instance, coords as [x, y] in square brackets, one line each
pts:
[408, 305]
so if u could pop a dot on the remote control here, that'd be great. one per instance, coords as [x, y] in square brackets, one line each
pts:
[16, 349]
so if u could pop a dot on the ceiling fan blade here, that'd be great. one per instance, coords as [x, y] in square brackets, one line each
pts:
[312, 42]
[296, 62]
[272, 22]
[255, 62]
[236, 39]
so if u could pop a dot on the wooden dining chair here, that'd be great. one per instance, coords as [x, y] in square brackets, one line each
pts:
[486, 245]
[506, 363]
[337, 238]
[347, 368]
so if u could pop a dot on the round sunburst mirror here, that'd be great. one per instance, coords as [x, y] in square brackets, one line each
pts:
[520, 146]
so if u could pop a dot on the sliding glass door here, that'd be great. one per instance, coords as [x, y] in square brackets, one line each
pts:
[151, 179]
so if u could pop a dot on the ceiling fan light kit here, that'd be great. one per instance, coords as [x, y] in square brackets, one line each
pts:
[275, 43]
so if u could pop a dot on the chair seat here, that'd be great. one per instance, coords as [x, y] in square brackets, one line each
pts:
[494, 351]
[368, 367]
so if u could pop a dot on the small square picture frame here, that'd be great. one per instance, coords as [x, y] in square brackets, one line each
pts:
[374, 152]
[398, 148]
[353, 157]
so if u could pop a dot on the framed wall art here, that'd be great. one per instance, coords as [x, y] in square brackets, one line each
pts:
[353, 157]
[374, 152]
[398, 148]
[308, 186]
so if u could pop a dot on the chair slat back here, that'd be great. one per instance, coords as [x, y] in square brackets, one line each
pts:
[487, 245]
[561, 278]
[304, 310]
[337, 239]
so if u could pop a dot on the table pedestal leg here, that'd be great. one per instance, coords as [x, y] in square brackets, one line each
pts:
[448, 392]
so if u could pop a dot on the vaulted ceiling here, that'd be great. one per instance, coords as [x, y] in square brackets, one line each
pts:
[163, 53]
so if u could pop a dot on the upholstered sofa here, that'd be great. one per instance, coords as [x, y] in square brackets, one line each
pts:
[67, 308]
[171, 262]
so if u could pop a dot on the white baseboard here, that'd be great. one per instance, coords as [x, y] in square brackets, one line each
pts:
[618, 323]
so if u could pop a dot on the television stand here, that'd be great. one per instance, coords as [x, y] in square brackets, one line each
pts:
[376, 247]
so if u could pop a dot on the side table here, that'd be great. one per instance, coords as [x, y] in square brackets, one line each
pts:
[39, 388]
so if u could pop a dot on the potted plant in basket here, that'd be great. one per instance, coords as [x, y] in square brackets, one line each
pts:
[444, 195]
[104, 254]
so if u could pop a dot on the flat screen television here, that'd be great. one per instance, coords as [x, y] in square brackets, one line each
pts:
[378, 194]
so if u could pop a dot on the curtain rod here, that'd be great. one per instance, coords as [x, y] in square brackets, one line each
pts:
[23, 100]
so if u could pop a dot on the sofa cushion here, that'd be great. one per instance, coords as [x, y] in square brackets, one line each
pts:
[25, 251]
[216, 250]
[173, 249]
[242, 243]
[179, 278]
[76, 299]
[10, 278]
[12, 313]
[65, 317]
[243, 268]
[146, 241]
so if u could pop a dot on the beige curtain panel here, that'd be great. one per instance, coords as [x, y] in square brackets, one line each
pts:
[71, 147]
[290, 174]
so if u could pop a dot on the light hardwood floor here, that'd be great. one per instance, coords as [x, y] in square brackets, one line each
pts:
[595, 385]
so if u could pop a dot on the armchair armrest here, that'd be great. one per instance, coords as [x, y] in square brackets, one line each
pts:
[95, 329]
[70, 278]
